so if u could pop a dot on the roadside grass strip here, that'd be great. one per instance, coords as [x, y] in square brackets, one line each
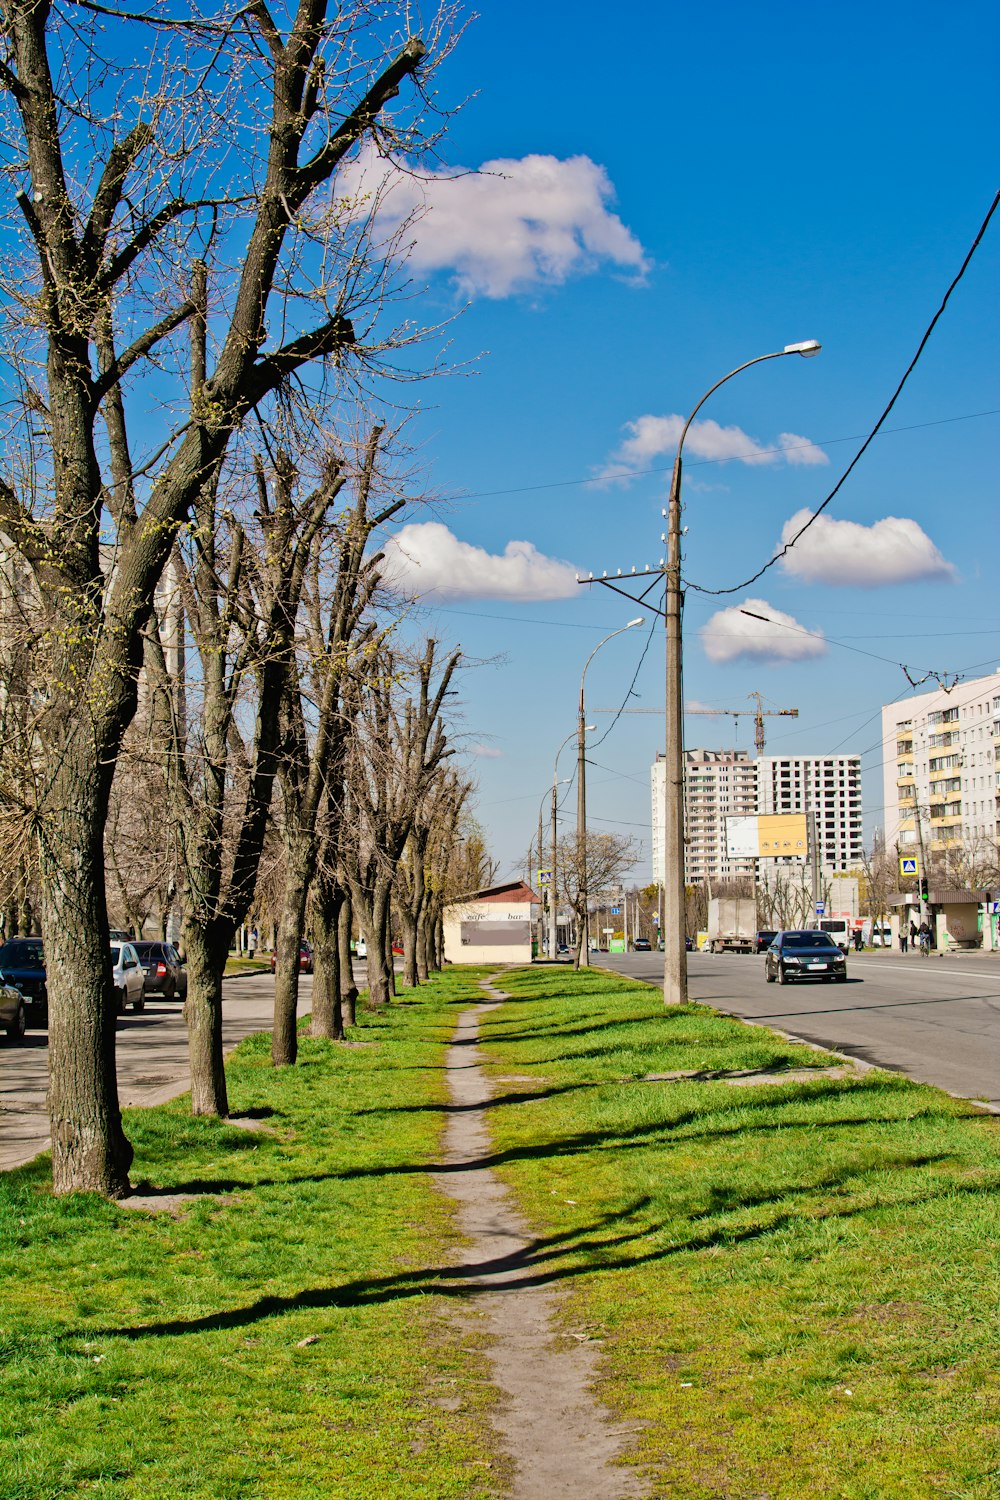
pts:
[795, 1284]
[281, 1330]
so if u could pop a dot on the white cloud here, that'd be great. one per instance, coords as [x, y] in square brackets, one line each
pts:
[893, 550]
[426, 558]
[486, 752]
[514, 224]
[693, 706]
[731, 634]
[651, 438]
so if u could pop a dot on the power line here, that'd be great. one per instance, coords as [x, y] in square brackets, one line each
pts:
[783, 551]
[696, 463]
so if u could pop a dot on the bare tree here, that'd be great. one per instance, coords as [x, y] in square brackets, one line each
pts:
[180, 178]
[608, 859]
[317, 721]
[395, 756]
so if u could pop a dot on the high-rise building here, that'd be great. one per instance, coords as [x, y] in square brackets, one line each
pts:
[727, 783]
[717, 784]
[825, 787]
[941, 768]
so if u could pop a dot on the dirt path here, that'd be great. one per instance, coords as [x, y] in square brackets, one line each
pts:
[561, 1440]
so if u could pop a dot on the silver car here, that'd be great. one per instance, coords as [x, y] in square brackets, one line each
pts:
[130, 980]
[12, 1016]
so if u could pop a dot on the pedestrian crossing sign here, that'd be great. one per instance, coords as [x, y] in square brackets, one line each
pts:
[908, 865]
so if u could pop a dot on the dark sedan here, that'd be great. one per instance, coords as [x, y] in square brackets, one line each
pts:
[22, 964]
[763, 941]
[165, 972]
[804, 955]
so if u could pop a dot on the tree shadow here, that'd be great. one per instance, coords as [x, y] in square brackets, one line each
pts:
[542, 1261]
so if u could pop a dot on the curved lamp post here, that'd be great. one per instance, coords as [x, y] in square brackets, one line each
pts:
[553, 904]
[563, 781]
[674, 951]
[581, 791]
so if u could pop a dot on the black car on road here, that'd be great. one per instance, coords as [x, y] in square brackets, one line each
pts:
[165, 972]
[804, 955]
[22, 964]
[763, 941]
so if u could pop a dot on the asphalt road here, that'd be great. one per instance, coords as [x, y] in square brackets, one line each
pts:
[152, 1060]
[935, 1019]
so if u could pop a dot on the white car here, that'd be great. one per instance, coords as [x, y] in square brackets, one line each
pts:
[360, 948]
[130, 978]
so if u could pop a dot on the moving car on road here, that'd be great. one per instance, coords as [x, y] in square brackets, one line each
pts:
[763, 941]
[804, 955]
[130, 982]
[642, 945]
[22, 964]
[163, 969]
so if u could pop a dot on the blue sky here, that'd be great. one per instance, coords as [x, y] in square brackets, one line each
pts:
[778, 173]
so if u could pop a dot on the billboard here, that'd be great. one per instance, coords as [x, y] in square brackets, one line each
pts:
[767, 836]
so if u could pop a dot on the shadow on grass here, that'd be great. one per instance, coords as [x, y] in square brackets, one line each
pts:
[544, 1261]
[675, 1131]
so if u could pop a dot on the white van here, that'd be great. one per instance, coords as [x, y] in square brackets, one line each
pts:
[876, 934]
[839, 929]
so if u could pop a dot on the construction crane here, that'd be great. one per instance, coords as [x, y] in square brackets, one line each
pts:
[760, 713]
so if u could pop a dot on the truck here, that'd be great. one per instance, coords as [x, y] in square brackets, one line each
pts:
[732, 924]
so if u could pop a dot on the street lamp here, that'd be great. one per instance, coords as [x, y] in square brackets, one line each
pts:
[553, 915]
[564, 781]
[674, 951]
[581, 793]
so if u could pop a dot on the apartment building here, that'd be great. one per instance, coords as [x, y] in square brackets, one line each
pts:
[941, 767]
[826, 786]
[717, 784]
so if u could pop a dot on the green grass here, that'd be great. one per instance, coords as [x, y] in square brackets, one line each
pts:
[796, 1284]
[154, 1356]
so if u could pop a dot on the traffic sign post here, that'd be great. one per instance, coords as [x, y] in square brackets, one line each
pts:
[820, 908]
[909, 865]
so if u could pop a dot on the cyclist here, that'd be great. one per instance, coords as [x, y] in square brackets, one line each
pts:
[924, 937]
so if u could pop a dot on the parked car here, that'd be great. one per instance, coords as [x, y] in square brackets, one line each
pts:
[763, 941]
[804, 955]
[642, 945]
[130, 981]
[305, 959]
[360, 948]
[163, 969]
[13, 1017]
[22, 964]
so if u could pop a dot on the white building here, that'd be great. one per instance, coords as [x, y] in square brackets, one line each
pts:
[491, 926]
[941, 762]
[825, 787]
[717, 784]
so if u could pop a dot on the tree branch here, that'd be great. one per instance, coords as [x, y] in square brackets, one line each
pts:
[142, 345]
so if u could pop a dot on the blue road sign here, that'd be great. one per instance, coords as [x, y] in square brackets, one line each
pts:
[616, 911]
[820, 908]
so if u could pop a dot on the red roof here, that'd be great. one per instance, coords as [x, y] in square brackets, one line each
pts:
[513, 893]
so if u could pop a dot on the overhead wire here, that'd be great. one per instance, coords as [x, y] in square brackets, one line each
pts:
[784, 550]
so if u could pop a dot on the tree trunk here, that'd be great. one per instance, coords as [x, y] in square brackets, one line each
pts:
[390, 962]
[348, 989]
[410, 929]
[327, 1015]
[423, 970]
[90, 1152]
[206, 964]
[300, 856]
[378, 977]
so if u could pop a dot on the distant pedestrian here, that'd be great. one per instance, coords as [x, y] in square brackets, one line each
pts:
[924, 936]
[913, 933]
[904, 940]
[252, 942]
[857, 939]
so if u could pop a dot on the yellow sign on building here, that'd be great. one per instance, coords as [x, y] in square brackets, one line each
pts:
[782, 835]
